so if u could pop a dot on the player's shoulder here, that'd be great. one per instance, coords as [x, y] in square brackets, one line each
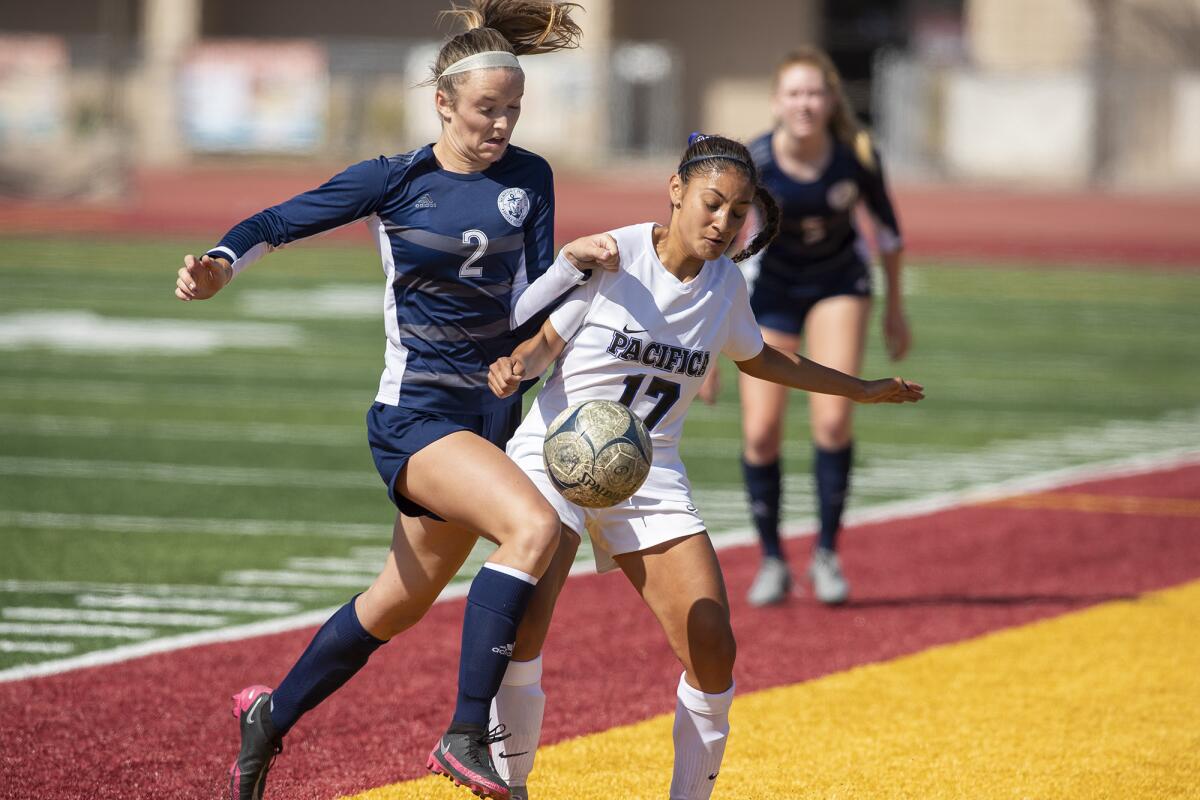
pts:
[519, 158]
[632, 240]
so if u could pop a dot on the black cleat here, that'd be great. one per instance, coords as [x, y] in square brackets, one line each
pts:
[260, 744]
[463, 755]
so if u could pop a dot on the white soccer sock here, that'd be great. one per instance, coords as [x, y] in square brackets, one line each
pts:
[519, 705]
[701, 730]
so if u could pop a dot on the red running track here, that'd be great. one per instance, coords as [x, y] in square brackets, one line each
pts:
[160, 726]
[939, 221]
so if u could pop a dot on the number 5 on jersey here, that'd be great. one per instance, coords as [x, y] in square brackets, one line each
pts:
[480, 240]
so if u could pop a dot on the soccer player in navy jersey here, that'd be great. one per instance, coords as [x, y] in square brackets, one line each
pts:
[465, 231]
[814, 279]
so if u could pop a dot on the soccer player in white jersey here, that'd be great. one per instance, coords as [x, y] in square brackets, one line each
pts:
[646, 336]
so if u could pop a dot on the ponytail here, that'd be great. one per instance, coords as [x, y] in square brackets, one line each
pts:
[520, 27]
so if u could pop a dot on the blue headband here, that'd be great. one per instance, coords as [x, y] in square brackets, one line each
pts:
[697, 136]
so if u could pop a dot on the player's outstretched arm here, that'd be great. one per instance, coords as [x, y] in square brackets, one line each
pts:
[789, 369]
[201, 278]
[531, 358]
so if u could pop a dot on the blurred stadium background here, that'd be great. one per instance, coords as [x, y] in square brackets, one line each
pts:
[1045, 159]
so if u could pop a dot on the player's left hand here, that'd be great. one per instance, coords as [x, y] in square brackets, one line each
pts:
[201, 278]
[896, 334]
[891, 390]
[505, 376]
[589, 252]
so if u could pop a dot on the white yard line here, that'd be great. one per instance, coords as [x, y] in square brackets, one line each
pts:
[260, 432]
[188, 473]
[186, 604]
[48, 614]
[1117, 468]
[41, 648]
[115, 523]
[156, 590]
[75, 630]
[286, 577]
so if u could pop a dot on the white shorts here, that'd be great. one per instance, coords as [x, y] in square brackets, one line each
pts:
[660, 511]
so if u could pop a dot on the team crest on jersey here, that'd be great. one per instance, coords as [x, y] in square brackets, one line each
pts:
[842, 195]
[514, 206]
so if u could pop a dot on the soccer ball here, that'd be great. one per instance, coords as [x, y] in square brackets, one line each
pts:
[597, 453]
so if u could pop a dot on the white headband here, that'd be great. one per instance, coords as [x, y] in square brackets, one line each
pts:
[487, 60]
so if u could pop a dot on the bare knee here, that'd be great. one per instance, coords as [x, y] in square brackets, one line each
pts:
[762, 443]
[832, 434]
[533, 536]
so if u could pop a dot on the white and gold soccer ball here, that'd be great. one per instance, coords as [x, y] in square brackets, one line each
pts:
[597, 453]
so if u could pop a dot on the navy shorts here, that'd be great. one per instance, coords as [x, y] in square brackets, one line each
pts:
[396, 433]
[783, 308]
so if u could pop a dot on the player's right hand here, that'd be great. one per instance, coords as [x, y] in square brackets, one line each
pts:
[505, 376]
[599, 250]
[201, 278]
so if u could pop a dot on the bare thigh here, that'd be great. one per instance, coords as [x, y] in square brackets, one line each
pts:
[836, 333]
[764, 405]
[471, 483]
[682, 584]
[424, 556]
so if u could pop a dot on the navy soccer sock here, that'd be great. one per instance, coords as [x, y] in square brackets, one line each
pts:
[495, 604]
[763, 485]
[340, 648]
[832, 470]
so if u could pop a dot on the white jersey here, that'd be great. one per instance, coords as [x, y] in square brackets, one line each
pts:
[642, 337]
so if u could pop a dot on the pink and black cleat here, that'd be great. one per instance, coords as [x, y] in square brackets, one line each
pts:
[464, 756]
[260, 744]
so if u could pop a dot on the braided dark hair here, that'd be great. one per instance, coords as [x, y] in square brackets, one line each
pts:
[706, 154]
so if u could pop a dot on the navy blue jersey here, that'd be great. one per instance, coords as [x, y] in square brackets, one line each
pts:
[817, 236]
[457, 249]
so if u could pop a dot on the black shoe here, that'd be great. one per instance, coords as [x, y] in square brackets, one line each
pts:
[463, 755]
[260, 744]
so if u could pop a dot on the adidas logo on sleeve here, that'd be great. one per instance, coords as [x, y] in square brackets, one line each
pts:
[425, 201]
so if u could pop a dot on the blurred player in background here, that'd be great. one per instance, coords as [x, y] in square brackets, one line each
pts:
[465, 227]
[645, 336]
[814, 280]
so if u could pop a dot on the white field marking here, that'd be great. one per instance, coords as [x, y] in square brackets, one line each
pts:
[76, 630]
[187, 473]
[887, 472]
[85, 331]
[41, 614]
[258, 432]
[114, 523]
[1120, 468]
[266, 577]
[41, 648]
[222, 605]
[371, 565]
[157, 589]
[335, 300]
[199, 395]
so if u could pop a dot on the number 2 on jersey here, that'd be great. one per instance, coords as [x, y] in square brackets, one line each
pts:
[480, 240]
[666, 391]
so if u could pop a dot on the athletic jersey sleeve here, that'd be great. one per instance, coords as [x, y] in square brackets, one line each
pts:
[879, 204]
[568, 318]
[744, 340]
[350, 195]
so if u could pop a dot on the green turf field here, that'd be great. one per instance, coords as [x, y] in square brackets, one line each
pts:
[170, 467]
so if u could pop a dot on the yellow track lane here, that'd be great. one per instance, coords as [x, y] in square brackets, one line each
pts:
[1101, 703]
[1102, 503]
